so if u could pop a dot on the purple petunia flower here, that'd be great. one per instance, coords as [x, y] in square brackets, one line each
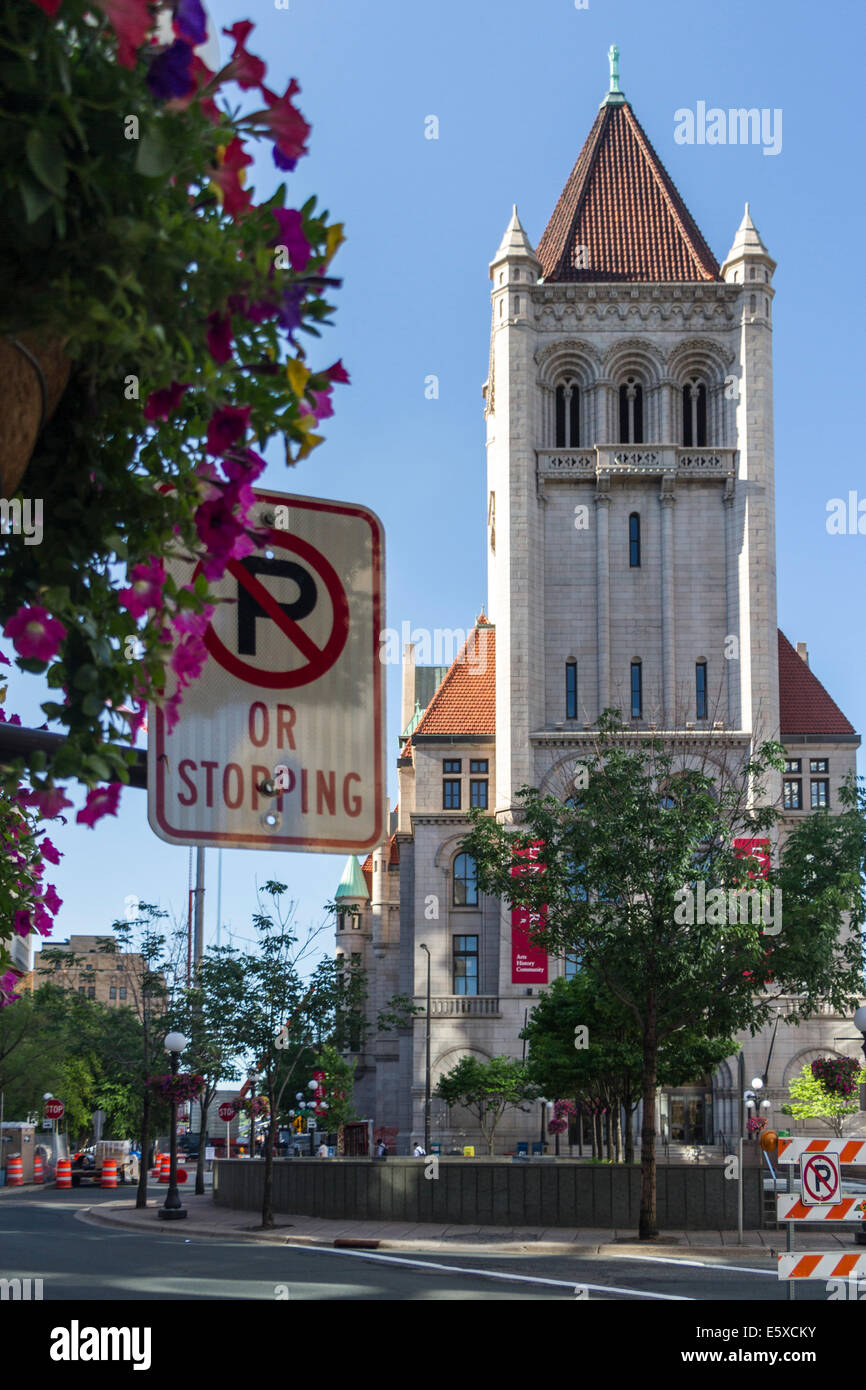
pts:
[281, 160]
[190, 21]
[170, 74]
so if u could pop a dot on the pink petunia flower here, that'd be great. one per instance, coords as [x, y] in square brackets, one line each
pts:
[337, 372]
[21, 922]
[49, 801]
[160, 404]
[4, 660]
[285, 122]
[132, 22]
[228, 178]
[35, 633]
[49, 6]
[188, 659]
[219, 337]
[227, 426]
[246, 69]
[51, 900]
[101, 801]
[146, 589]
[8, 983]
[321, 408]
[50, 851]
[291, 235]
[196, 624]
[243, 464]
[41, 920]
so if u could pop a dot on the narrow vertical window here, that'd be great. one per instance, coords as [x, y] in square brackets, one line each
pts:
[560, 418]
[695, 414]
[574, 418]
[466, 965]
[631, 412]
[701, 690]
[571, 689]
[567, 416]
[636, 690]
[634, 540]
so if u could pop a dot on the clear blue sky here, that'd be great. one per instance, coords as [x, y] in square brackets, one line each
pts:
[516, 88]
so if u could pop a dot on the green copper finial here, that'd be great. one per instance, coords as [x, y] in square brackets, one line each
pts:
[613, 55]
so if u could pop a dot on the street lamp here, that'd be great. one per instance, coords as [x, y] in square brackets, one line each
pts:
[172, 1209]
[427, 1092]
[253, 1077]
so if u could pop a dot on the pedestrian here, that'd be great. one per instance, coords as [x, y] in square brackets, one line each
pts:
[322, 1151]
[381, 1149]
[419, 1151]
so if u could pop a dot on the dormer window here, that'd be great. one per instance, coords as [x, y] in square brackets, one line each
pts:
[631, 412]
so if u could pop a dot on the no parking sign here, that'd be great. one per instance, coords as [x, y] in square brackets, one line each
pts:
[280, 743]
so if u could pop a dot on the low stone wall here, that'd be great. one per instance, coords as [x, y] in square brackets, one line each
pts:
[489, 1192]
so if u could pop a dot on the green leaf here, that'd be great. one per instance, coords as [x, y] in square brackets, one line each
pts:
[46, 158]
[92, 705]
[99, 766]
[155, 156]
[35, 198]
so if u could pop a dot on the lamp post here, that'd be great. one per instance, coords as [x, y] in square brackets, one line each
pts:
[427, 1092]
[173, 1209]
[252, 1078]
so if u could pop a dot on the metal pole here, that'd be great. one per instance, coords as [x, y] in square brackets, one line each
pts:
[427, 1073]
[198, 950]
[173, 1209]
[219, 895]
[789, 1239]
[740, 1190]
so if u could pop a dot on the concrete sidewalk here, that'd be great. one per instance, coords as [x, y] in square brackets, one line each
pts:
[207, 1220]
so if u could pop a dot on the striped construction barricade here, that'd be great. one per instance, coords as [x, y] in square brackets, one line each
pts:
[15, 1171]
[63, 1175]
[109, 1173]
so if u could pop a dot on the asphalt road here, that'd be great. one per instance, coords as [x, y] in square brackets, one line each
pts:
[40, 1237]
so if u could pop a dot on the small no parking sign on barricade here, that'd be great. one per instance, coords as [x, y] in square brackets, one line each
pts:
[821, 1200]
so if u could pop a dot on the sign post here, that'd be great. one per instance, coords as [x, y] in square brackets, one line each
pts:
[227, 1112]
[280, 741]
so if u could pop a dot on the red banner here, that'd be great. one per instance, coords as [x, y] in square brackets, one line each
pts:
[528, 960]
[755, 849]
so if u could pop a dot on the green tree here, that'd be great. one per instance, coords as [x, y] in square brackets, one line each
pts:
[338, 1085]
[487, 1090]
[606, 1073]
[206, 1012]
[812, 1100]
[624, 865]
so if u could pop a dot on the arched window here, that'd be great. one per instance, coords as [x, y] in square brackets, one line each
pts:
[694, 414]
[465, 881]
[634, 541]
[568, 415]
[631, 412]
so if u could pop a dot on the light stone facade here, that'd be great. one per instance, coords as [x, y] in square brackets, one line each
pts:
[561, 589]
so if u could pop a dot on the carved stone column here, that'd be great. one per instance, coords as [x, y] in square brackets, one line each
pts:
[732, 658]
[602, 587]
[667, 502]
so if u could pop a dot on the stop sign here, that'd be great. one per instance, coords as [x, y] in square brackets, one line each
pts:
[226, 1111]
[54, 1109]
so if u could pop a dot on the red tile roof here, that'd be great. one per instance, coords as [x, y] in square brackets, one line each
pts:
[804, 705]
[620, 203]
[465, 702]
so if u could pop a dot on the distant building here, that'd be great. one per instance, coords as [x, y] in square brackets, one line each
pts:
[94, 968]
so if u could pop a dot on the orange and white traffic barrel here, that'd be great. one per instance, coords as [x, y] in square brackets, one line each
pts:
[38, 1171]
[15, 1171]
[109, 1172]
[164, 1168]
[63, 1177]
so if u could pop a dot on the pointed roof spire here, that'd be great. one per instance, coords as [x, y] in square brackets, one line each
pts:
[514, 242]
[614, 93]
[620, 216]
[747, 242]
[352, 884]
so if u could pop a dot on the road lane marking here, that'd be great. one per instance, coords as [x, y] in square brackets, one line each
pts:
[693, 1264]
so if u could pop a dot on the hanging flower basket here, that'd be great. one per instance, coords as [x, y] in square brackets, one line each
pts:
[34, 371]
[181, 1088]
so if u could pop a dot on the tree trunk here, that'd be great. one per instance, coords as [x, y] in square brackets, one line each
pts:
[608, 1132]
[141, 1194]
[204, 1106]
[648, 1229]
[268, 1193]
[617, 1127]
[629, 1130]
[597, 1151]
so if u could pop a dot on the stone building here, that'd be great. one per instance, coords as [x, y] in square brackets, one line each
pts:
[89, 966]
[631, 563]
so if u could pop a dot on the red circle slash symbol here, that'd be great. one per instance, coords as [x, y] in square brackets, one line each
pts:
[318, 660]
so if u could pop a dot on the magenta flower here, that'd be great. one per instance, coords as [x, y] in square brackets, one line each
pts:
[243, 464]
[101, 801]
[227, 426]
[171, 709]
[188, 659]
[51, 900]
[35, 633]
[160, 404]
[285, 122]
[8, 983]
[131, 21]
[50, 7]
[41, 920]
[228, 178]
[146, 589]
[246, 69]
[291, 235]
[219, 337]
[21, 922]
[321, 408]
[4, 660]
[337, 372]
[193, 623]
[50, 851]
[49, 801]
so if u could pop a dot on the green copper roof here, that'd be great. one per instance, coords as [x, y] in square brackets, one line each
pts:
[352, 883]
[413, 722]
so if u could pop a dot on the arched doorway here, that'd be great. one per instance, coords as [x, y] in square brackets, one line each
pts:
[686, 1113]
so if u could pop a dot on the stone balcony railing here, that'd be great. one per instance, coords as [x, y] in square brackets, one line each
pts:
[462, 1006]
[653, 460]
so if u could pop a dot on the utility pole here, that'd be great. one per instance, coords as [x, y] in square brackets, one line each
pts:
[198, 937]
